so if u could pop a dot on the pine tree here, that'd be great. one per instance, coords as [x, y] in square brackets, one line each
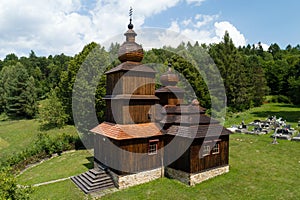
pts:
[231, 66]
[18, 97]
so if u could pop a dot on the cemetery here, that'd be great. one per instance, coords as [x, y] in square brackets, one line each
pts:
[277, 126]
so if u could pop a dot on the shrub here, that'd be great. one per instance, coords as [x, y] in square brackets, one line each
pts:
[279, 99]
[9, 188]
[43, 147]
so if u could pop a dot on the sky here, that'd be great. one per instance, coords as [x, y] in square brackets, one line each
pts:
[51, 27]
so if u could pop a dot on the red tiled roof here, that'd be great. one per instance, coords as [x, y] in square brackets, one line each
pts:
[127, 131]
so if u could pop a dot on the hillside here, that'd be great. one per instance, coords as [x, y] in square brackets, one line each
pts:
[258, 169]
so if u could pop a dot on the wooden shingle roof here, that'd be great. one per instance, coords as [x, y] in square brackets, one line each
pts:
[131, 66]
[127, 131]
[198, 131]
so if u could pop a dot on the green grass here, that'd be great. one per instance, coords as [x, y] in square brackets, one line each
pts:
[288, 112]
[66, 165]
[258, 169]
[17, 135]
[64, 190]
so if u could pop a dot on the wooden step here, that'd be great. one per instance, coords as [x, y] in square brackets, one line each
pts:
[93, 181]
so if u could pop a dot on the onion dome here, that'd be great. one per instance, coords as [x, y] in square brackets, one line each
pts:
[130, 50]
[169, 78]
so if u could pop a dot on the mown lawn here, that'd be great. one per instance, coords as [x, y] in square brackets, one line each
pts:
[66, 165]
[258, 169]
[17, 135]
[64, 190]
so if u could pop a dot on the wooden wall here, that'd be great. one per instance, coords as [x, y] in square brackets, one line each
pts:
[191, 162]
[134, 111]
[211, 161]
[133, 83]
[124, 161]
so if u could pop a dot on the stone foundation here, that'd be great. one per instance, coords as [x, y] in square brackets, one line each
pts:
[125, 181]
[193, 179]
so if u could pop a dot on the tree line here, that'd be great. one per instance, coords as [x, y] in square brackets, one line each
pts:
[42, 87]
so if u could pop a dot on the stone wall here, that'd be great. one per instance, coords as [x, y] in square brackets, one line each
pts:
[192, 179]
[203, 176]
[125, 181]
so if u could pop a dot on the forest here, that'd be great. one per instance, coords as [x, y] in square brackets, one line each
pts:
[41, 87]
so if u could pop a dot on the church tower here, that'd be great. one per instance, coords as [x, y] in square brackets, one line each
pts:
[130, 90]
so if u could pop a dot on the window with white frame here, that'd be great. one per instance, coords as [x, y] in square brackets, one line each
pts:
[153, 144]
[206, 150]
[216, 149]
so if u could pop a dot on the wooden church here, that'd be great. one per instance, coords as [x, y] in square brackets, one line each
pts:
[150, 133]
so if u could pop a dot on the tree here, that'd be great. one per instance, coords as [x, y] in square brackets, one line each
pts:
[51, 112]
[18, 98]
[90, 59]
[233, 71]
[258, 87]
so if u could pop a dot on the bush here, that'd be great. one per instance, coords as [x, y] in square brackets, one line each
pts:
[279, 99]
[9, 188]
[42, 148]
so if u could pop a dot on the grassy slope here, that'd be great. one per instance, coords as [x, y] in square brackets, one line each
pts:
[64, 190]
[17, 135]
[258, 170]
[62, 166]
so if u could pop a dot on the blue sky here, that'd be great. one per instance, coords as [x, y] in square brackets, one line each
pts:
[65, 26]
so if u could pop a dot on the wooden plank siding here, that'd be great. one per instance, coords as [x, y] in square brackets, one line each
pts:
[132, 83]
[173, 149]
[124, 161]
[136, 112]
[210, 161]
[139, 84]
[191, 162]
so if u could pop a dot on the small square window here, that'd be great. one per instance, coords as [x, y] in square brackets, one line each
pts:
[152, 147]
[216, 149]
[206, 150]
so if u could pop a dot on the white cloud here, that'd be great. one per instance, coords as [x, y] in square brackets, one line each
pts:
[196, 2]
[237, 37]
[204, 29]
[65, 26]
[174, 27]
[56, 26]
[264, 46]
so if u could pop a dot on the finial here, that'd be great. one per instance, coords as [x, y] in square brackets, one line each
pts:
[130, 25]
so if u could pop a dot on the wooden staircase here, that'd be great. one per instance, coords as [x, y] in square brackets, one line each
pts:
[93, 181]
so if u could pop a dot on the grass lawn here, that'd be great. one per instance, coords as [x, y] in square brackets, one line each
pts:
[66, 165]
[258, 169]
[64, 190]
[17, 135]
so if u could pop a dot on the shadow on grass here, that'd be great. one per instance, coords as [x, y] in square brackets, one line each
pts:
[290, 116]
[288, 106]
[90, 164]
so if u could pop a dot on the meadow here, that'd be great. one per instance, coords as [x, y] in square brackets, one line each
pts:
[258, 169]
